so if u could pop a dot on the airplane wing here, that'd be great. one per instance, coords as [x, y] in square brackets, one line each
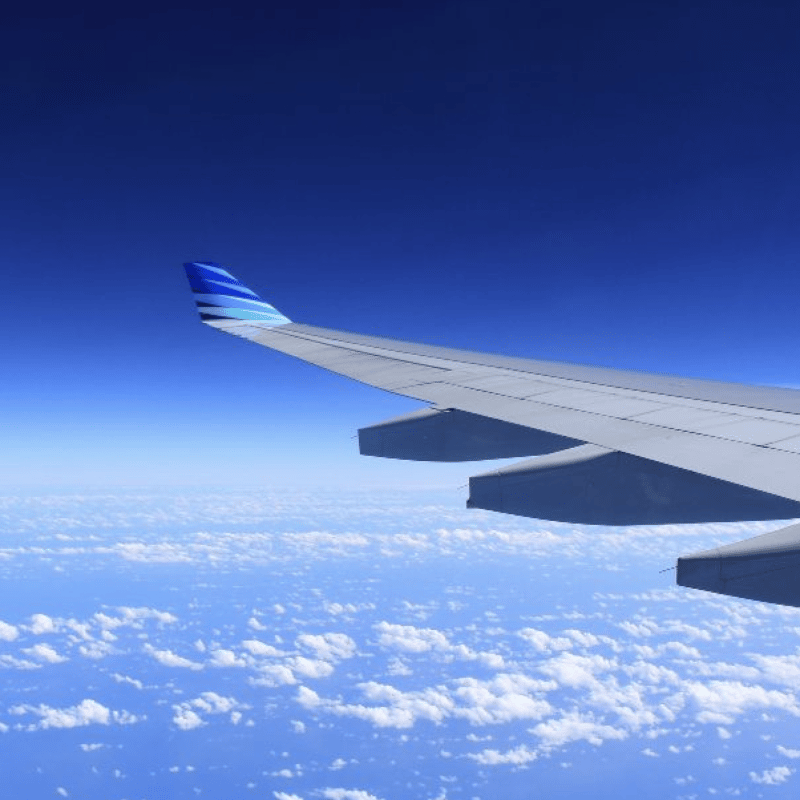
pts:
[609, 447]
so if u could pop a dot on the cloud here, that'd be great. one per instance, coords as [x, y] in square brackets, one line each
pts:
[397, 666]
[779, 669]
[638, 629]
[87, 712]
[720, 702]
[41, 624]
[134, 617]
[577, 671]
[544, 643]
[8, 632]
[273, 675]
[43, 652]
[257, 648]
[347, 794]
[399, 710]
[82, 630]
[501, 699]
[282, 773]
[517, 757]
[574, 727]
[153, 553]
[562, 677]
[410, 639]
[335, 609]
[186, 719]
[95, 650]
[187, 715]
[213, 703]
[328, 646]
[772, 777]
[169, 659]
[310, 667]
[11, 662]
[226, 658]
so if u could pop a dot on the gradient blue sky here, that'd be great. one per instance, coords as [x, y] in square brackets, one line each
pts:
[607, 183]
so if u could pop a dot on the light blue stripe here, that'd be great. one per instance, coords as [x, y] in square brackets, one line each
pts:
[244, 313]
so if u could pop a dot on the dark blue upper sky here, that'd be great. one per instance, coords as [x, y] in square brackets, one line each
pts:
[609, 183]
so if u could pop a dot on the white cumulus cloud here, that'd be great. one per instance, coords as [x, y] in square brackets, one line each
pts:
[187, 715]
[186, 719]
[169, 659]
[328, 646]
[43, 652]
[41, 624]
[87, 712]
[258, 648]
[518, 756]
[772, 777]
[347, 794]
[8, 632]
[226, 658]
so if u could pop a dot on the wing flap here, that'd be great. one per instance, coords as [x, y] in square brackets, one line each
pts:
[595, 486]
[765, 568]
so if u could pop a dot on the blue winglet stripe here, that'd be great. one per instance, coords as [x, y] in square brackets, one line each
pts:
[207, 287]
[217, 274]
[211, 270]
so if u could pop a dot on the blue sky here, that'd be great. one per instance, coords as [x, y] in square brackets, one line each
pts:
[610, 184]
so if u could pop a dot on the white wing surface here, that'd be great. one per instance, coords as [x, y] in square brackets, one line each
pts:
[611, 447]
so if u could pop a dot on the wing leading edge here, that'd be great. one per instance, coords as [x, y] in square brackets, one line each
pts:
[611, 447]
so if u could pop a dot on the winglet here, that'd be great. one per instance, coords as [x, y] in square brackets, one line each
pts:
[219, 296]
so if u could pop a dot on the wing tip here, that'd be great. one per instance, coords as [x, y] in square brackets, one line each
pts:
[220, 296]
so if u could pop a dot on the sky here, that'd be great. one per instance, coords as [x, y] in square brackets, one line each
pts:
[599, 183]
